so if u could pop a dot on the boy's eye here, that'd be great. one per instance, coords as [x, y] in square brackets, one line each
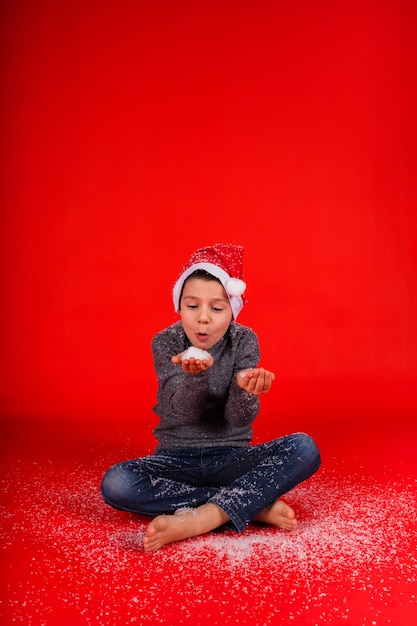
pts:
[217, 308]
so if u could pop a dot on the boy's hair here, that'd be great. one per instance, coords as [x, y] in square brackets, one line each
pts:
[203, 275]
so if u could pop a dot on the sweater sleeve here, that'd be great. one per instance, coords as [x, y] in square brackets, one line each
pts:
[243, 407]
[181, 396]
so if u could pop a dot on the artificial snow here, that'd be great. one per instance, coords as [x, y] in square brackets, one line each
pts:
[196, 353]
[355, 540]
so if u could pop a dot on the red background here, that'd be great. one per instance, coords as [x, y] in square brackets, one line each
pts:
[135, 132]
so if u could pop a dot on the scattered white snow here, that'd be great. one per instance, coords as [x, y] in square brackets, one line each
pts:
[355, 547]
[196, 353]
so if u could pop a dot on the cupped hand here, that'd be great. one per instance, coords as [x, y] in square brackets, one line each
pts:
[192, 365]
[255, 381]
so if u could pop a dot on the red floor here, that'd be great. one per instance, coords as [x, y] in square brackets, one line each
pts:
[69, 559]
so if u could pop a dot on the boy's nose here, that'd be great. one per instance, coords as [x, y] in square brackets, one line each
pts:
[204, 315]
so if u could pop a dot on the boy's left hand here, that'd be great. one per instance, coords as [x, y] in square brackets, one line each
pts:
[255, 381]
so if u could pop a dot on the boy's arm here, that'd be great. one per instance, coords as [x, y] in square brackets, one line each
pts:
[242, 406]
[181, 394]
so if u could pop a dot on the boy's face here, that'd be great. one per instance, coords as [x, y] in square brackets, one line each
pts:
[205, 312]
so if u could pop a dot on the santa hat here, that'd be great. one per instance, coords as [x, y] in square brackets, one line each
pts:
[224, 261]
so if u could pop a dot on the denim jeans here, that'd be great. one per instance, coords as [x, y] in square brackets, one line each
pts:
[241, 481]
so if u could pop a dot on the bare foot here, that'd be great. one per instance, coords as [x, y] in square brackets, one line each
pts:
[279, 513]
[183, 525]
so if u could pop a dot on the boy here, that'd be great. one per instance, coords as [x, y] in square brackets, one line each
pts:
[204, 472]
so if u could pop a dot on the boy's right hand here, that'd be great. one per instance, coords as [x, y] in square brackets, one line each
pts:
[192, 365]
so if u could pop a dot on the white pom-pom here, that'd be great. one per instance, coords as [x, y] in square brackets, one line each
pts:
[196, 353]
[235, 286]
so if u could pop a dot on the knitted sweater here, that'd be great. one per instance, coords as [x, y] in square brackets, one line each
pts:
[208, 409]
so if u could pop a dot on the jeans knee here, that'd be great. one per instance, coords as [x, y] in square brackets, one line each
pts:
[308, 449]
[112, 486]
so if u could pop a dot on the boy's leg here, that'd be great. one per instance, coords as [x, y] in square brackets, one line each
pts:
[147, 486]
[267, 472]
[156, 484]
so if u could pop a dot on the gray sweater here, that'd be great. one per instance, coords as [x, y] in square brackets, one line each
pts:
[207, 409]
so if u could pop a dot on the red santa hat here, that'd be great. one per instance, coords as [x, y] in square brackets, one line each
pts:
[222, 260]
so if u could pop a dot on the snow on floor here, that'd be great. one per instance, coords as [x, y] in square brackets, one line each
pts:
[67, 556]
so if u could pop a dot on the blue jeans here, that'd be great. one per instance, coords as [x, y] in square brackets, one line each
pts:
[241, 481]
